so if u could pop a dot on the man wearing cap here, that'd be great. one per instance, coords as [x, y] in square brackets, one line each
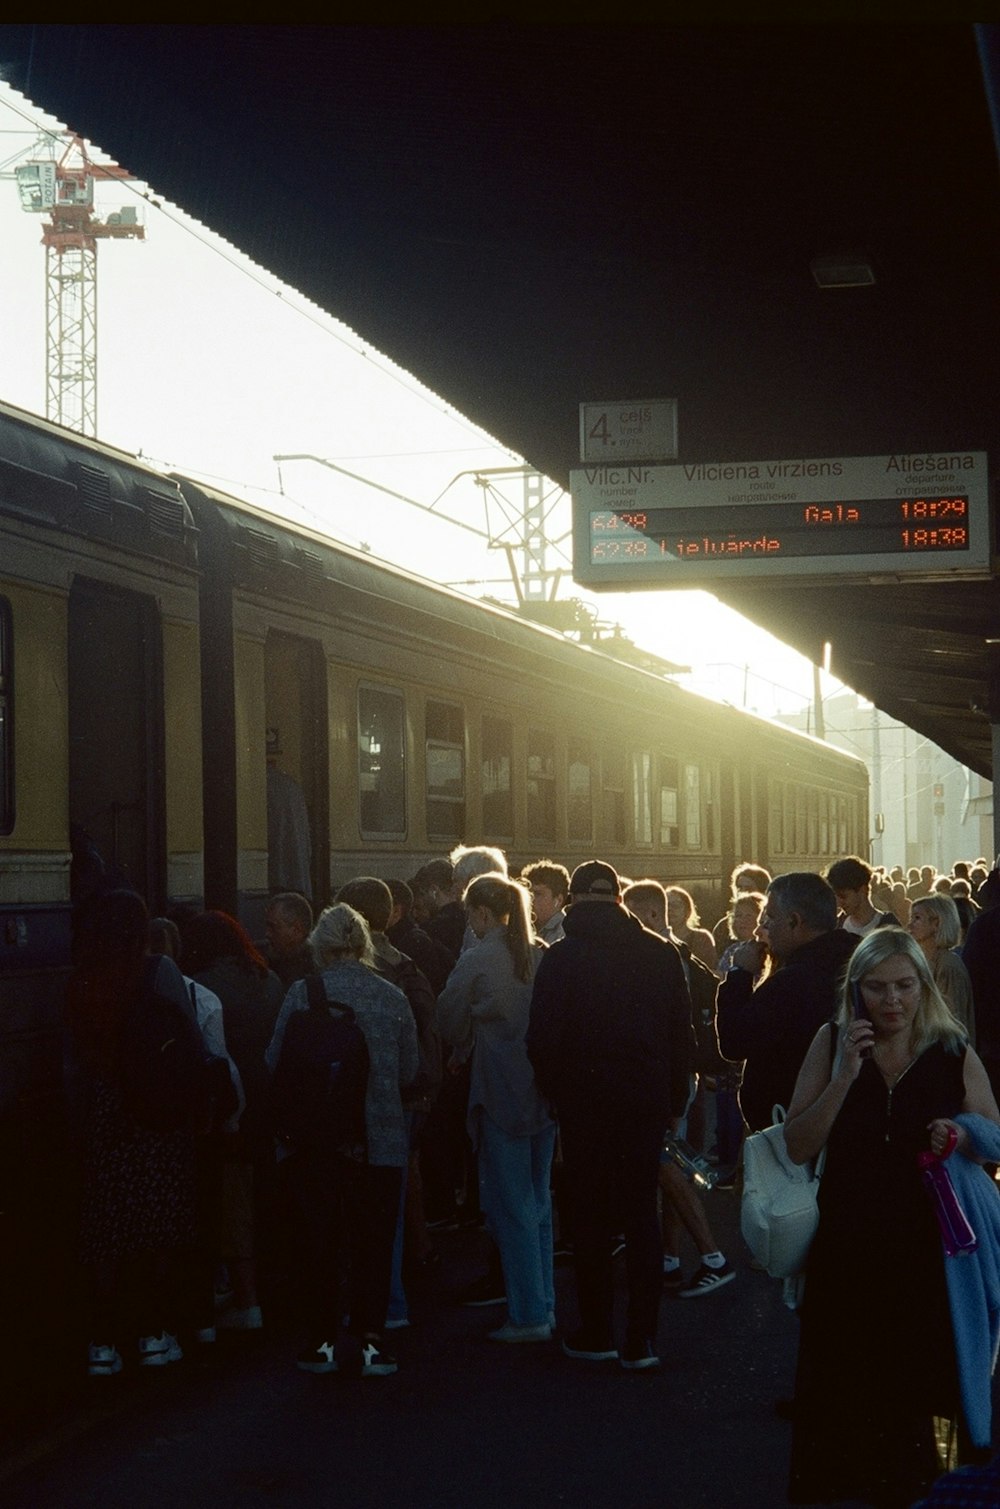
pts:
[610, 1041]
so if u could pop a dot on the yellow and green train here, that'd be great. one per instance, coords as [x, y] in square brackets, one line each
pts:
[161, 643]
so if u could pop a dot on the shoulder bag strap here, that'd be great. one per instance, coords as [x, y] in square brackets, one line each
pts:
[316, 992]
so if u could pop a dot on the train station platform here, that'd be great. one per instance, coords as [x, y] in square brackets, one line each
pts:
[464, 1421]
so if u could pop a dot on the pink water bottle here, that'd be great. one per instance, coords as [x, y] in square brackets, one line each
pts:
[957, 1235]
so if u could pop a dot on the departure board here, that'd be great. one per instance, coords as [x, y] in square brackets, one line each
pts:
[869, 516]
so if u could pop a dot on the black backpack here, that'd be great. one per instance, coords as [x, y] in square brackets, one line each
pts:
[417, 989]
[320, 1082]
[161, 1060]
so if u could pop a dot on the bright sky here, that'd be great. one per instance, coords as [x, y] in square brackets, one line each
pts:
[210, 366]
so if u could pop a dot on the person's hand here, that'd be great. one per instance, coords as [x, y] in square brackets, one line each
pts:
[859, 1044]
[947, 1137]
[750, 956]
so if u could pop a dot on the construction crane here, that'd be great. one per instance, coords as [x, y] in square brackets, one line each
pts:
[63, 189]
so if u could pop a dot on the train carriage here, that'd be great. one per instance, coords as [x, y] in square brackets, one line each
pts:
[162, 644]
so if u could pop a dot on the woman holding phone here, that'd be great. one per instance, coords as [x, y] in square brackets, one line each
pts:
[880, 1085]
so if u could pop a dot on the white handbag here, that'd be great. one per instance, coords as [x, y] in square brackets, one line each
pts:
[779, 1213]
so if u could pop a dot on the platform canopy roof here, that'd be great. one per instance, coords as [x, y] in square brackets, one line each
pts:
[532, 216]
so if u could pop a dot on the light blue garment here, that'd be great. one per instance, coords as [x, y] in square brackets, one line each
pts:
[516, 1198]
[974, 1281]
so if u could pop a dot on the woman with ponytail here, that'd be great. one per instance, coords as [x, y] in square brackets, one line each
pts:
[483, 1010]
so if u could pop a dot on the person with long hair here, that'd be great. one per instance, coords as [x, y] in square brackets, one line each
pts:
[878, 1374]
[934, 923]
[685, 924]
[137, 1179]
[484, 1008]
[219, 954]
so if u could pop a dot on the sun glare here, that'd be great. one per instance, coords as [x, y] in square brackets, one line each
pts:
[208, 364]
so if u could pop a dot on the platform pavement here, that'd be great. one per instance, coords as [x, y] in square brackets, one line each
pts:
[464, 1421]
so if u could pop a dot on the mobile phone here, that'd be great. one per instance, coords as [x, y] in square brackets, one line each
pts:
[859, 1012]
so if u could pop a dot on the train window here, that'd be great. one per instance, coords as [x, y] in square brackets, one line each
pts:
[381, 761]
[775, 819]
[642, 796]
[498, 801]
[813, 798]
[445, 756]
[709, 784]
[615, 825]
[801, 828]
[692, 806]
[6, 718]
[541, 785]
[788, 805]
[670, 830]
[580, 809]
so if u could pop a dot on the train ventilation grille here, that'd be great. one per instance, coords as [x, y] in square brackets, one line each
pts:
[93, 488]
[260, 547]
[309, 563]
[165, 514]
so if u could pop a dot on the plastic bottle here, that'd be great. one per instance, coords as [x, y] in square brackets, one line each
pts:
[956, 1233]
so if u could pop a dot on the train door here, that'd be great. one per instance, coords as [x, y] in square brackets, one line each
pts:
[298, 764]
[116, 734]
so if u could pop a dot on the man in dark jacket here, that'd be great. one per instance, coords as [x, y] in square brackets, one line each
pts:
[610, 1041]
[289, 920]
[430, 956]
[771, 1027]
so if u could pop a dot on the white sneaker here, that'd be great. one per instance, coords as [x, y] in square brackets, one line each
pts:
[103, 1362]
[510, 1332]
[157, 1351]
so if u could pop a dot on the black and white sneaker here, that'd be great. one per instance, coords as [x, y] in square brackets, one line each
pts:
[588, 1348]
[707, 1280]
[673, 1279]
[638, 1355]
[321, 1359]
[375, 1363]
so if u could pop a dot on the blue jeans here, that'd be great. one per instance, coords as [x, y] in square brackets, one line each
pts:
[516, 1198]
[398, 1305]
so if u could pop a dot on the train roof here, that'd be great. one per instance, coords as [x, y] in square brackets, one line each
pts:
[275, 550]
[52, 477]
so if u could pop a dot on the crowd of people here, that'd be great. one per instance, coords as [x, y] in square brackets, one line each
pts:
[534, 1048]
